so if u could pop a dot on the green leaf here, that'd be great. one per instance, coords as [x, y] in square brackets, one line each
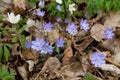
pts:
[22, 41]
[5, 74]
[89, 76]
[22, 29]
[14, 39]
[1, 53]
[6, 53]
[1, 16]
[8, 45]
[32, 2]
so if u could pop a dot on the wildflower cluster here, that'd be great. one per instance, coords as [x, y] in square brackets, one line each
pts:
[43, 46]
[72, 28]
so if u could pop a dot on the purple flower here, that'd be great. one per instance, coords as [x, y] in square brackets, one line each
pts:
[84, 24]
[67, 20]
[41, 4]
[37, 44]
[48, 26]
[40, 13]
[109, 33]
[28, 44]
[46, 48]
[98, 59]
[72, 28]
[60, 42]
[58, 19]
[59, 8]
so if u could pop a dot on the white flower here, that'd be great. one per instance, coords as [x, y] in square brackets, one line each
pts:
[59, 1]
[72, 8]
[12, 18]
[41, 4]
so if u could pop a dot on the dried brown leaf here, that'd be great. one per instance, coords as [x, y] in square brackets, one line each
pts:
[97, 32]
[83, 44]
[23, 71]
[51, 67]
[113, 20]
[28, 55]
[68, 54]
[20, 3]
[53, 36]
[72, 71]
[31, 64]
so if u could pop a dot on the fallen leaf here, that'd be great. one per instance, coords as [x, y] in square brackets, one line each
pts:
[14, 49]
[23, 71]
[31, 64]
[112, 21]
[53, 36]
[20, 3]
[112, 45]
[28, 55]
[72, 71]
[51, 67]
[110, 67]
[68, 54]
[97, 32]
[82, 44]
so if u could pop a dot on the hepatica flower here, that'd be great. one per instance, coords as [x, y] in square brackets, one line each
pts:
[48, 26]
[97, 59]
[60, 42]
[58, 19]
[72, 28]
[12, 18]
[59, 1]
[72, 8]
[40, 13]
[67, 20]
[84, 24]
[109, 33]
[46, 48]
[37, 44]
[41, 4]
[28, 44]
[59, 8]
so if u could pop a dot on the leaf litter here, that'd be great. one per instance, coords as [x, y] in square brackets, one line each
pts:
[73, 61]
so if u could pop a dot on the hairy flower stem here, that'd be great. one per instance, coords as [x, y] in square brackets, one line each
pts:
[64, 5]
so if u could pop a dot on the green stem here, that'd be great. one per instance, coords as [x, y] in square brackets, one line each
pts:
[64, 5]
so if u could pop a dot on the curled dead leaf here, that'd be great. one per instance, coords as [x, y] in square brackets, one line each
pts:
[83, 44]
[28, 55]
[31, 64]
[23, 71]
[68, 54]
[110, 67]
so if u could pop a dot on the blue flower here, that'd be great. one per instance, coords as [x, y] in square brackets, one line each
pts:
[58, 19]
[60, 42]
[72, 28]
[28, 44]
[40, 13]
[48, 26]
[41, 4]
[59, 8]
[109, 33]
[67, 20]
[84, 24]
[46, 48]
[98, 59]
[37, 44]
